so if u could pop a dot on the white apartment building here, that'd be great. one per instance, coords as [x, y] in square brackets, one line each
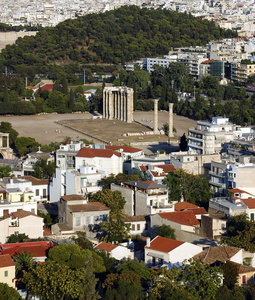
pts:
[80, 182]
[65, 155]
[209, 137]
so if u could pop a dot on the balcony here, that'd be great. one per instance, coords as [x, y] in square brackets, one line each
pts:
[221, 174]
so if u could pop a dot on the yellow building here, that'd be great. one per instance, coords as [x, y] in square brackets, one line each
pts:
[7, 270]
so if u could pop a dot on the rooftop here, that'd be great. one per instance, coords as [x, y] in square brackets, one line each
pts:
[73, 197]
[90, 206]
[164, 244]
[213, 254]
[184, 205]
[186, 217]
[90, 153]
[124, 148]
[106, 246]
[6, 261]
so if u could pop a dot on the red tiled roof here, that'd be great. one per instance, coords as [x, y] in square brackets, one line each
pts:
[106, 246]
[89, 152]
[186, 217]
[46, 232]
[125, 148]
[239, 191]
[36, 250]
[164, 244]
[167, 168]
[199, 211]
[155, 174]
[184, 205]
[242, 268]
[6, 261]
[250, 203]
[207, 61]
[46, 87]
[143, 168]
[23, 213]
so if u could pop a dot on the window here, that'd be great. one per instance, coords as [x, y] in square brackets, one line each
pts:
[138, 226]
[44, 193]
[5, 273]
[244, 279]
[78, 221]
[37, 192]
[133, 227]
[252, 216]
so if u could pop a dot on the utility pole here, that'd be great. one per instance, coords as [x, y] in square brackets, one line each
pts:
[194, 93]
[84, 77]
[26, 81]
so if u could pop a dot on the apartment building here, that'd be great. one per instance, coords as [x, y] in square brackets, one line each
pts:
[209, 137]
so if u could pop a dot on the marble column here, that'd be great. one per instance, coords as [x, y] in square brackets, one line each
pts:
[156, 131]
[171, 122]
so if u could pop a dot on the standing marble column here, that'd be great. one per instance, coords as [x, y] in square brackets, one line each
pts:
[156, 131]
[171, 122]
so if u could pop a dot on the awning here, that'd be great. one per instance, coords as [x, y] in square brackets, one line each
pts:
[156, 255]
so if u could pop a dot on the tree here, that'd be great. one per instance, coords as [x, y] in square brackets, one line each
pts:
[124, 286]
[241, 233]
[42, 169]
[230, 273]
[195, 280]
[117, 179]
[5, 171]
[82, 240]
[24, 145]
[6, 127]
[17, 238]
[8, 292]
[112, 199]
[139, 268]
[166, 231]
[75, 258]
[57, 281]
[183, 143]
[116, 229]
[192, 188]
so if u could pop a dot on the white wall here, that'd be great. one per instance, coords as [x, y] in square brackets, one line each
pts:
[122, 252]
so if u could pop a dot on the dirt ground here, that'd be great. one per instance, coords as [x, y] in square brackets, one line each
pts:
[44, 129]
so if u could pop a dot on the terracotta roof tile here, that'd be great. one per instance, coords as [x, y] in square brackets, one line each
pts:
[199, 211]
[167, 168]
[164, 244]
[125, 148]
[36, 249]
[239, 191]
[213, 254]
[106, 246]
[143, 168]
[242, 268]
[181, 217]
[89, 152]
[184, 205]
[6, 261]
[250, 203]
[23, 213]
[36, 181]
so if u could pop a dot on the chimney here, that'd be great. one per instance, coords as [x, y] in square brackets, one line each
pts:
[148, 242]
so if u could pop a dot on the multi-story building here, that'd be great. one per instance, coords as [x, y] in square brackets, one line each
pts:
[143, 197]
[65, 155]
[209, 137]
[81, 182]
[229, 174]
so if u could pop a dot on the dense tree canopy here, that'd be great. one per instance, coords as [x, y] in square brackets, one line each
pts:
[115, 36]
[191, 188]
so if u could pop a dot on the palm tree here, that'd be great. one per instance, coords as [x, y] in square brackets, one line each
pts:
[24, 262]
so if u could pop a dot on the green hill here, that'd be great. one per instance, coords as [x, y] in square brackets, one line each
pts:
[113, 37]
